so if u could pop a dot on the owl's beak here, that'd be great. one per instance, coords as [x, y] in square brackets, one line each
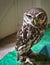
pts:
[34, 21]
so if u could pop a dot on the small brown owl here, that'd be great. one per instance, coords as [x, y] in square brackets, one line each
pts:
[33, 28]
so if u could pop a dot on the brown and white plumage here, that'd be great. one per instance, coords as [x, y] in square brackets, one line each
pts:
[33, 28]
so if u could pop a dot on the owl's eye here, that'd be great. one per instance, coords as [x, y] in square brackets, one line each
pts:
[30, 17]
[40, 17]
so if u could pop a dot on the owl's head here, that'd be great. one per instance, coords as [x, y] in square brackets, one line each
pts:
[35, 17]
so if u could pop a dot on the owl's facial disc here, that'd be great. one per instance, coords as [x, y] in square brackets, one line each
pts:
[34, 17]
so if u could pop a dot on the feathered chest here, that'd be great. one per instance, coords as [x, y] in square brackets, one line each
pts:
[26, 38]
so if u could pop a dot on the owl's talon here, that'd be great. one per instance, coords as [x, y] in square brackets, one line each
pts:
[28, 61]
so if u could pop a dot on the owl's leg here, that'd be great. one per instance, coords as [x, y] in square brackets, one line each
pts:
[25, 59]
[28, 61]
[30, 58]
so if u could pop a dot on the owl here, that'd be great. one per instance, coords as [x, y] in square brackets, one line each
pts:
[33, 28]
